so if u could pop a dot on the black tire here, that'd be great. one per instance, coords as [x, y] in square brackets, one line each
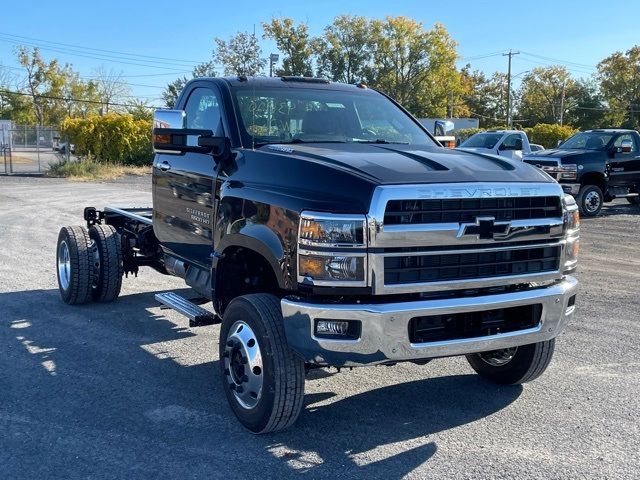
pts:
[280, 399]
[634, 200]
[590, 200]
[527, 363]
[74, 265]
[108, 270]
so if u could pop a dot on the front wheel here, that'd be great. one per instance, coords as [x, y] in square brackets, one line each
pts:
[590, 200]
[262, 378]
[513, 366]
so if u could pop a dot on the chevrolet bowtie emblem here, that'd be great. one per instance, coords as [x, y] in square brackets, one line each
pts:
[485, 228]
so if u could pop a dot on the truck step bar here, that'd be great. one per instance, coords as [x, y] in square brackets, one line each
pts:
[197, 315]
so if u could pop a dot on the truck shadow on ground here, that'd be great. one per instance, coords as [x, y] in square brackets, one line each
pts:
[90, 389]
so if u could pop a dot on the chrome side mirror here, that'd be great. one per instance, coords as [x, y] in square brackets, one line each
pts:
[626, 146]
[174, 119]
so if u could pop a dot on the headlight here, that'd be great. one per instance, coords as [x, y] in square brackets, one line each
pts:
[572, 230]
[332, 249]
[328, 230]
[331, 267]
[571, 214]
[568, 172]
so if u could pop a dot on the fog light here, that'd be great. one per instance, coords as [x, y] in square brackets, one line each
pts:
[332, 327]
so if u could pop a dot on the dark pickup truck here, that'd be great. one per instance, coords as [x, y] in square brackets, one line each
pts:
[328, 228]
[595, 166]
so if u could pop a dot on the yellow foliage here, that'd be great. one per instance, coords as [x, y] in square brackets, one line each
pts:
[112, 138]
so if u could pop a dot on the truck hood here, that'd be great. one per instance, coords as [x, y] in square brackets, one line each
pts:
[402, 164]
[564, 156]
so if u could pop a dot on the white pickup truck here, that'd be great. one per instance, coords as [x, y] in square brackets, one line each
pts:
[512, 144]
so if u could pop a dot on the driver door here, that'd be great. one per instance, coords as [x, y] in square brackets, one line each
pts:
[183, 185]
[625, 166]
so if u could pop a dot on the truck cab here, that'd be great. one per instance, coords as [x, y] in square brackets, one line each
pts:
[512, 144]
[596, 166]
[326, 227]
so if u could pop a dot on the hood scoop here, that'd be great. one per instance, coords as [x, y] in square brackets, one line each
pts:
[427, 162]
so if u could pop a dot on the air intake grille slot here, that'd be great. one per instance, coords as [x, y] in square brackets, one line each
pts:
[467, 266]
[438, 328]
[407, 212]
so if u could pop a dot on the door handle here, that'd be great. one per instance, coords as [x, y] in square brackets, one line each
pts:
[164, 166]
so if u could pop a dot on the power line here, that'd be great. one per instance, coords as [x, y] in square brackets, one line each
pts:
[78, 100]
[110, 52]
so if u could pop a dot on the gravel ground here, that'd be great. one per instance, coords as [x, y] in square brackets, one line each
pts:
[127, 389]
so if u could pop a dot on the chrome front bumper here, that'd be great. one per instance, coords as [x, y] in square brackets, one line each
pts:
[384, 334]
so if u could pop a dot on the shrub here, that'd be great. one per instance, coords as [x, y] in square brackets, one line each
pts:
[112, 138]
[464, 133]
[547, 134]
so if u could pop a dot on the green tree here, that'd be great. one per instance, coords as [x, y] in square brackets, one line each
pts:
[345, 52]
[619, 76]
[485, 97]
[545, 95]
[588, 109]
[240, 55]
[294, 42]
[173, 89]
[55, 91]
[416, 66]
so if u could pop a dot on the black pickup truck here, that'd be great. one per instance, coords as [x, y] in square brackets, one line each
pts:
[328, 228]
[595, 166]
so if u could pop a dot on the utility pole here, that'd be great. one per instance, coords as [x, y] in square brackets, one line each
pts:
[564, 86]
[510, 55]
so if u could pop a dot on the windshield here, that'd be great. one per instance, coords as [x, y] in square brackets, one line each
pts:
[587, 141]
[482, 140]
[306, 115]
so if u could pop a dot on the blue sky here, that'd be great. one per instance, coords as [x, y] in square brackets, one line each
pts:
[577, 33]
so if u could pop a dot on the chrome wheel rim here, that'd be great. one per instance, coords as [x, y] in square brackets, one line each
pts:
[498, 358]
[592, 201]
[64, 265]
[243, 367]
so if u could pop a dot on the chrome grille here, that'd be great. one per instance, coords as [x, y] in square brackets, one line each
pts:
[401, 212]
[474, 265]
[451, 236]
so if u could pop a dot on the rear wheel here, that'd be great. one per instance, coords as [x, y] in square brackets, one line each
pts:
[262, 378]
[107, 263]
[590, 200]
[513, 366]
[74, 265]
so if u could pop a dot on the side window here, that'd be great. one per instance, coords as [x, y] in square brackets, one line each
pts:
[626, 136]
[512, 142]
[203, 110]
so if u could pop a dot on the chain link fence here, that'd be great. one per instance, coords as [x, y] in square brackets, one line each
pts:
[29, 148]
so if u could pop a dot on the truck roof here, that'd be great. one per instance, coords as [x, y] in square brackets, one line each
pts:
[611, 130]
[287, 82]
[505, 131]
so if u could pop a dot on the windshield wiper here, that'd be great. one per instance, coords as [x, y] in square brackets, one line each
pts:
[299, 140]
[381, 140]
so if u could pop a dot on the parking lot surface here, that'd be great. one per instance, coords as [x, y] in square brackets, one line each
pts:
[127, 390]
